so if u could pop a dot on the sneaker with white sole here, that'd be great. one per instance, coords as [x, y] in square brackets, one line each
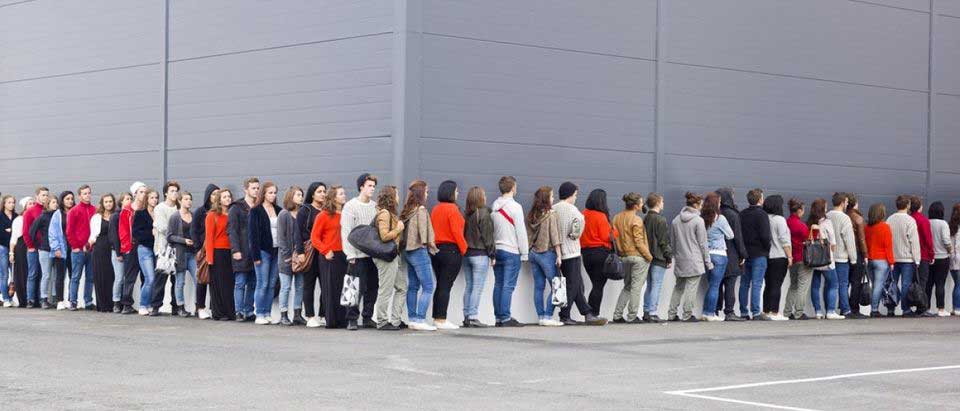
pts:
[314, 322]
[834, 316]
[203, 314]
[422, 327]
[942, 313]
[322, 321]
[261, 320]
[447, 325]
[956, 313]
[712, 318]
[779, 317]
[557, 323]
[7, 304]
[62, 305]
[819, 316]
[143, 311]
[273, 321]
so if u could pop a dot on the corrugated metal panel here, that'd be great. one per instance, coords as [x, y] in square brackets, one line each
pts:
[918, 5]
[946, 73]
[946, 134]
[947, 7]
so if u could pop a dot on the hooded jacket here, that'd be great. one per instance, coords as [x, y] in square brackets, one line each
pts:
[736, 251]
[198, 229]
[238, 220]
[510, 236]
[757, 236]
[689, 235]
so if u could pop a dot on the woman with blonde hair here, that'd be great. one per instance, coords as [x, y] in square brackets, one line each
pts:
[262, 225]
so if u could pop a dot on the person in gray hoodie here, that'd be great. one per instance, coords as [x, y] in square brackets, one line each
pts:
[245, 281]
[689, 237]
[510, 234]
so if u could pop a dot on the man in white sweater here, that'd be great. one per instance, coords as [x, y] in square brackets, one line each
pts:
[510, 233]
[846, 248]
[361, 210]
[161, 219]
[906, 250]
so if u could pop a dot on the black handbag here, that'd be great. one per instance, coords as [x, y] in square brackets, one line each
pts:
[917, 297]
[613, 265]
[866, 291]
[366, 238]
[816, 253]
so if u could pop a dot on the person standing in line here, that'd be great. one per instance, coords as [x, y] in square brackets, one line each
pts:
[327, 240]
[954, 256]
[821, 227]
[942, 248]
[779, 259]
[846, 249]
[596, 243]
[178, 236]
[757, 239]
[736, 256]
[128, 249]
[926, 252]
[198, 233]
[81, 242]
[245, 281]
[313, 204]
[719, 233]
[33, 255]
[689, 235]
[448, 226]
[393, 285]
[418, 244]
[544, 234]
[880, 252]
[859, 267]
[8, 213]
[906, 251]
[18, 253]
[263, 249]
[142, 232]
[288, 236]
[800, 273]
[40, 234]
[658, 239]
[60, 249]
[512, 248]
[570, 221]
[481, 253]
[218, 251]
[358, 211]
[634, 249]
[100, 254]
[116, 255]
[161, 222]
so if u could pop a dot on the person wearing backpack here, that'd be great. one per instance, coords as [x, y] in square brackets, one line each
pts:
[822, 228]
[688, 233]
[906, 250]
[418, 244]
[393, 285]
[513, 247]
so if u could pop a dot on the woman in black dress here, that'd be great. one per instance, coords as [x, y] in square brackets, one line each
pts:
[103, 274]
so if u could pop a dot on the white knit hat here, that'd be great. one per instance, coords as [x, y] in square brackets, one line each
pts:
[136, 186]
[24, 201]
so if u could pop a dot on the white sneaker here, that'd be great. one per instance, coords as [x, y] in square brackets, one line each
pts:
[322, 322]
[314, 322]
[273, 321]
[834, 316]
[549, 322]
[942, 313]
[544, 323]
[204, 314]
[421, 327]
[143, 311]
[62, 305]
[447, 325]
[711, 318]
[778, 317]
[956, 313]
[819, 316]
[261, 320]
[7, 304]
[557, 323]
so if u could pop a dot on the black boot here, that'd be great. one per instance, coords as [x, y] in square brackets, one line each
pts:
[297, 318]
[174, 310]
[284, 320]
[183, 312]
[117, 308]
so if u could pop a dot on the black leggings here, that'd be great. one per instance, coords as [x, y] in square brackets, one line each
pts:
[331, 274]
[310, 280]
[593, 259]
[202, 296]
[446, 266]
[728, 289]
[20, 273]
[857, 271]
[60, 270]
[776, 271]
[574, 279]
[939, 271]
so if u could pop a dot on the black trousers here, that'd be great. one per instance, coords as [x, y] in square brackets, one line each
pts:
[593, 259]
[728, 290]
[202, 296]
[221, 286]
[159, 294]
[131, 269]
[857, 271]
[446, 266]
[20, 273]
[60, 270]
[575, 295]
[331, 275]
[309, 286]
[939, 272]
[369, 286]
[773, 280]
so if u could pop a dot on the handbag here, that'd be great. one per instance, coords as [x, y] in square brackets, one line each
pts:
[350, 294]
[917, 297]
[203, 269]
[309, 253]
[559, 285]
[613, 265]
[891, 293]
[816, 253]
[167, 261]
[866, 290]
[366, 238]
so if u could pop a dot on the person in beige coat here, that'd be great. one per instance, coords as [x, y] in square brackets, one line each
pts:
[691, 257]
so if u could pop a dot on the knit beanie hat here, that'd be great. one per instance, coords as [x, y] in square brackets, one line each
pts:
[136, 186]
[567, 189]
[23, 202]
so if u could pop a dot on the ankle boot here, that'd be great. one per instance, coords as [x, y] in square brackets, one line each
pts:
[183, 312]
[174, 310]
[284, 320]
[297, 318]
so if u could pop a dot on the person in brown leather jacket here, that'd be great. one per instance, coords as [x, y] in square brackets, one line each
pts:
[857, 270]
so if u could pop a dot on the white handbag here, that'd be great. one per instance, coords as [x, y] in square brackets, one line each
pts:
[350, 295]
[167, 261]
[559, 285]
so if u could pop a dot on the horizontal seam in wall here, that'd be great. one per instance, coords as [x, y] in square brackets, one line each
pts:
[272, 174]
[948, 94]
[792, 162]
[795, 76]
[273, 143]
[948, 15]
[308, 43]
[955, 173]
[521, 176]
[82, 155]
[889, 6]
[80, 73]
[509, 43]
[774, 190]
[93, 183]
[14, 4]
[534, 145]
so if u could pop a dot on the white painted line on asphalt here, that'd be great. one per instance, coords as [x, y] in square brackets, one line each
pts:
[694, 393]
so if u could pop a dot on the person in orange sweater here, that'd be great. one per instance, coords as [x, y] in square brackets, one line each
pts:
[879, 252]
[448, 225]
[596, 244]
[325, 237]
[217, 247]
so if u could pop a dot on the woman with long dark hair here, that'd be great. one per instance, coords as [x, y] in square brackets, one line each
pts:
[313, 201]
[419, 244]
[448, 225]
[217, 246]
[955, 256]
[719, 232]
[8, 213]
[103, 269]
[543, 232]
[596, 244]
[779, 259]
[198, 233]
[18, 253]
[942, 248]
[40, 234]
[821, 228]
[325, 238]
[393, 285]
[288, 237]
[481, 253]
[59, 249]
[116, 253]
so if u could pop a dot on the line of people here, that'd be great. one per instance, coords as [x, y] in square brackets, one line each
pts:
[246, 253]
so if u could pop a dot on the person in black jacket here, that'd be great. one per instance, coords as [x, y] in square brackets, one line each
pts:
[178, 236]
[755, 225]
[116, 256]
[39, 233]
[238, 219]
[312, 205]
[198, 233]
[263, 230]
[736, 253]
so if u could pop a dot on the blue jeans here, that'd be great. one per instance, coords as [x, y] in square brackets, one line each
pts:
[829, 290]
[33, 271]
[843, 287]
[182, 278]
[956, 289]
[544, 267]
[145, 257]
[475, 279]
[267, 272]
[82, 264]
[285, 280]
[651, 296]
[419, 284]
[117, 277]
[244, 287]
[904, 273]
[880, 269]
[713, 289]
[505, 275]
[46, 272]
[751, 285]
[4, 273]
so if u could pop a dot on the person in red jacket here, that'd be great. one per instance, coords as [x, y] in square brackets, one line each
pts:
[596, 244]
[926, 250]
[131, 265]
[78, 237]
[33, 256]
[448, 226]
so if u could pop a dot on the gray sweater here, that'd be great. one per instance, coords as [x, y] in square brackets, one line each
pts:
[689, 237]
[288, 236]
[570, 220]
